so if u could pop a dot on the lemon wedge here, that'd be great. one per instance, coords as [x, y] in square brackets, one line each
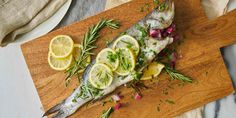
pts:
[152, 71]
[126, 61]
[109, 57]
[61, 46]
[128, 42]
[100, 76]
[76, 53]
[59, 64]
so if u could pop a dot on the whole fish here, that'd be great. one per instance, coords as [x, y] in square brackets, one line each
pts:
[85, 92]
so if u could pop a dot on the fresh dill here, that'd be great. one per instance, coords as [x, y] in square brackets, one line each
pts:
[175, 75]
[88, 44]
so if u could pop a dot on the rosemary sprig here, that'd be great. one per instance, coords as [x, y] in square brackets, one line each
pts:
[107, 113]
[88, 44]
[176, 75]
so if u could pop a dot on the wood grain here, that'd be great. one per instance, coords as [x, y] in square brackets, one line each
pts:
[201, 60]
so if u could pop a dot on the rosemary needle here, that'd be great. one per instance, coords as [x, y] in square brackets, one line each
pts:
[88, 44]
[176, 75]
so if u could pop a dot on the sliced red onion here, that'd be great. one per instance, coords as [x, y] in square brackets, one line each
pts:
[116, 97]
[169, 30]
[137, 97]
[117, 106]
[176, 37]
[164, 34]
[155, 33]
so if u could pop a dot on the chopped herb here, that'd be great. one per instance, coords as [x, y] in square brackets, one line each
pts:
[163, 6]
[154, 43]
[108, 42]
[123, 33]
[74, 100]
[169, 86]
[145, 7]
[104, 102]
[166, 93]
[161, 100]
[112, 57]
[141, 59]
[170, 101]
[141, 9]
[128, 44]
[176, 75]
[156, 2]
[124, 62]
[162, 19]
[107, 113]
[111, 100]
[144, 34]
[158, 108]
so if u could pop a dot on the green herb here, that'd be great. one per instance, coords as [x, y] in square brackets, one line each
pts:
[74, 100]
[86, 91]
[108, 43]
[107, 113]
[145, 7]
[124, 62]
[123, 33]
[103, 103]
[163, 6]
[128, 44]
[170, 101]
[88, 44]
[144, 34]
[112, 57]
[156, 2]
[161, 101]
[141, 59]
[176, 75]
[158, 108]
[104, 78]
[137, 76]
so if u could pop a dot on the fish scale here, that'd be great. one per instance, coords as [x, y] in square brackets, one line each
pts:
[152, 48]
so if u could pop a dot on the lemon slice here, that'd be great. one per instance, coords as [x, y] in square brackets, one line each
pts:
[128, 42]
[76, 53]
[126, 61]
[61, 46]
[58, 63]
[152, 71]
[109, 57]
[100, 76]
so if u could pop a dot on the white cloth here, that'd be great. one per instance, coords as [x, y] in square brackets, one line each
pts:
[21, 16]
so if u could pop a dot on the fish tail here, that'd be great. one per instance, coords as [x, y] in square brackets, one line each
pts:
[54, 109]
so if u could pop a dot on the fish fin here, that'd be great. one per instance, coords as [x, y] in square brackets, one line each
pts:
[54, 109]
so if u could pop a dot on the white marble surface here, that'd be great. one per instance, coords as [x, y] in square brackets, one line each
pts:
[19, 98]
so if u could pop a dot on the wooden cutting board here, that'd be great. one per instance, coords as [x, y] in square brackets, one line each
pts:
[201, 60]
